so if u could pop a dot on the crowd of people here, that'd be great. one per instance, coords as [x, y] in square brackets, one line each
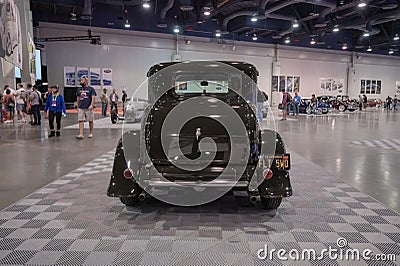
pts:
[290, 103]
[24, 103]
[24, 106]
[112, 99]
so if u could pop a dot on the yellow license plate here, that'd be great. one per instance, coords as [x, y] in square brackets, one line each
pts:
[274, 161]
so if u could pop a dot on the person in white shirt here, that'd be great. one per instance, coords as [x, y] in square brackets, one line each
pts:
[20, 100]
[114, 100]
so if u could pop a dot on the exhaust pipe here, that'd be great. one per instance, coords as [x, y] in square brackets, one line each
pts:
[142, 196]
[253, 199]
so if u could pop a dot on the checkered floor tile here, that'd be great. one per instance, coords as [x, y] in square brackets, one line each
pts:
[386, 144]
[72, 222]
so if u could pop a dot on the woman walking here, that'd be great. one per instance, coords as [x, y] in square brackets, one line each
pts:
[55, 107]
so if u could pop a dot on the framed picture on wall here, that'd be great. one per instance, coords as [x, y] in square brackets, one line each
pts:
[289, 85]
[282, 83]
[373, 86]
[296, 84]
[368, 87]
[80, 72]
[69, 77]
[95, 78]
[107, 77]
[378, 87]
[275, 83]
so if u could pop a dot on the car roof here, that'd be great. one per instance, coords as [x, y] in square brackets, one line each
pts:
[249, 69]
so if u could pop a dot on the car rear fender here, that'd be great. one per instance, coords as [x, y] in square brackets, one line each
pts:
[279, 185]
[128, 145]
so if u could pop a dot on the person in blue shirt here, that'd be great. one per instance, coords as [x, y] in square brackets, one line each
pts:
[296, 103]
[55, 107]
[85, 97]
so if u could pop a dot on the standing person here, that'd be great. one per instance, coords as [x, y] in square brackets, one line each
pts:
[85, 97]
[104, 102]
[28, 103]
[284, 104]
[296, 103]
[9, 103]
[114, 101]
[124, 98]
[360, 102]
[55, 107]
[395, 101]
[20, 94]
[314, 104]
[35, 104]
[388, 103]
[365, 102]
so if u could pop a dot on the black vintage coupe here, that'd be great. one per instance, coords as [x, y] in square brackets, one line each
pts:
[143, 163]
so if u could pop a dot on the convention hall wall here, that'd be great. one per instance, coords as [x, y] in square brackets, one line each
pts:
[130, 54]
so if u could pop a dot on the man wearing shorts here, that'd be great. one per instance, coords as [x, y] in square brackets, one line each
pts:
[85, 97]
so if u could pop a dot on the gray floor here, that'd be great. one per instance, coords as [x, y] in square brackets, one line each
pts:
[29, 160]
[72, 222]
[361, 148]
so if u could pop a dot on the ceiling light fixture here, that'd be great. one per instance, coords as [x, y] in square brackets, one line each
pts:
[176, 29]
[362, 4]
[396, 37]
[391, 51]
[336, 28]
[366, 34]
[255, 37]
[217, 34]
[295, 24]
[254, 19]
[344, 47]
[369, 49]
[312, 42]
[287, 40]
[127, 25]
[146, 4]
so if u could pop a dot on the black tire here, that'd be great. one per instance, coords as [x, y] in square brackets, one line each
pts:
[129, 201]
[271, 203]
[342, 108]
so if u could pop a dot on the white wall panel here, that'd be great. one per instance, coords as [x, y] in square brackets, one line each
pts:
[130, 54]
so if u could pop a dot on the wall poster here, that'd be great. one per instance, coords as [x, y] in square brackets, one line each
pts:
[371, 86]
[331, 85]
[398, 87]
[80, 72]
[275, 83]
[11, 40]
[282, 83]
[296, 84]
[289, 86]
[69, 77]
[95, 78]
[107, 78]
